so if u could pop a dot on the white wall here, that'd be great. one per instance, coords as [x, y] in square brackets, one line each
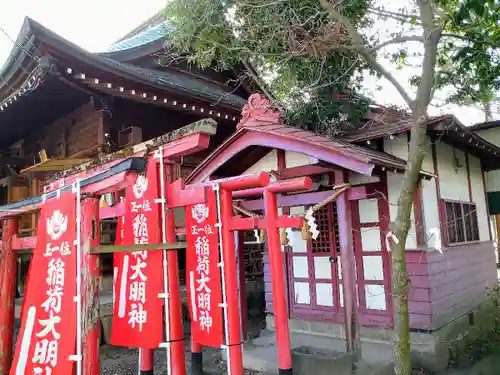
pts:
[453, 183]
[492, 177]
[394, 183]
[492, 181]
[491, 135]
[361, 179]
[297, 159]
[266, 164]
[398, 146]
[479, 198]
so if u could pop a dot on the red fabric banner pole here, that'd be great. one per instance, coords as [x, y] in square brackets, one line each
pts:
[231, 281]
[196, 358]
[90, 228]
[175, 305]
[8, 269]
[278, 285]
[147, 361]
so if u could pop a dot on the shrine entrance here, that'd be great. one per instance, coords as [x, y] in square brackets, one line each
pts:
[147, 283]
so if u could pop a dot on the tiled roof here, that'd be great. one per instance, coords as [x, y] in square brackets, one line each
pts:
[148, 36]
[484, 126]
[355, 152]
[348, 149]
[183, 83]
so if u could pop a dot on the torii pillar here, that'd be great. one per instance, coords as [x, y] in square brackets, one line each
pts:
[8, 269]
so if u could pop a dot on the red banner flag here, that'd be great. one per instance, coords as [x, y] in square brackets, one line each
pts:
[203, 273]
[137, 311]
[48, 333]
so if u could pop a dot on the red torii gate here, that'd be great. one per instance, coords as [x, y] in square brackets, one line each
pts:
[177, 196]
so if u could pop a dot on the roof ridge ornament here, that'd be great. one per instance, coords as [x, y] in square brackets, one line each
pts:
[258, 111]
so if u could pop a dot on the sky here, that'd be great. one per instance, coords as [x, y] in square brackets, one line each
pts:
[95, 24]
[91, 24]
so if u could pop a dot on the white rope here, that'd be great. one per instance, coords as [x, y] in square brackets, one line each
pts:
[223, 278]
[159, 154]
[78, 297]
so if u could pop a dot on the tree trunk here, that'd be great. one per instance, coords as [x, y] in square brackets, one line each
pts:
[488, 114]
[400, 228]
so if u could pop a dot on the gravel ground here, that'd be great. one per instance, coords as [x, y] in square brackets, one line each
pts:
[123, 361]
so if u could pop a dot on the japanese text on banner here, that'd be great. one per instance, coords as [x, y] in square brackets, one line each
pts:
[203, 272]
[48, 332]
[137, 312]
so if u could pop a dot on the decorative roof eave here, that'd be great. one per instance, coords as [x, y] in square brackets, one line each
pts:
[447, 126]
[34, 31]
[484, 126]
[263, 126]
[144, 43]
[451, 127]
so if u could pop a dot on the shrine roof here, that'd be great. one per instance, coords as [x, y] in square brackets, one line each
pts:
[24, 60]
[447, 127]
[143, 38]
[261, 126]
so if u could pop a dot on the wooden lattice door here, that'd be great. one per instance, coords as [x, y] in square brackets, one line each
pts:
[313, 265]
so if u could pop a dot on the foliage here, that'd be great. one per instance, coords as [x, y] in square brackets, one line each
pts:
[308, 51]
[289, 43]
[470, 65]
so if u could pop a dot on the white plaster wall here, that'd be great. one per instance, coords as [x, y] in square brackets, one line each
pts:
[478, 197]
[428, 163]
[452, 184]
[492, 181]
[430, 207]
[360, 179]
[297, 159]
[266, 164]
[493, 177]
[398, 146]
[491, 135]
[394, 183]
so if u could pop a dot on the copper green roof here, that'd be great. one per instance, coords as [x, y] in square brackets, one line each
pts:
[148, 36]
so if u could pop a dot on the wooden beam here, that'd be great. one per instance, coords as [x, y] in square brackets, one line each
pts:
[109, 249]
[305, 170]
[304, 199]
[188, 139]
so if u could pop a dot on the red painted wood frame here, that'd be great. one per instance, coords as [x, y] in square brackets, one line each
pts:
[367, 316]
[90, 287]
[297, 310]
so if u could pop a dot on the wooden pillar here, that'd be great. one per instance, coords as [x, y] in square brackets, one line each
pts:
[8, 269]
[90, 286]
[497, 235]
[348, 262]
[178, 364]
[240, 246]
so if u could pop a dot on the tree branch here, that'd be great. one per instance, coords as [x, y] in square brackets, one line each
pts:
[432, 35]
[365, 52]
[473, 40]
[398, 40]
[262, 85]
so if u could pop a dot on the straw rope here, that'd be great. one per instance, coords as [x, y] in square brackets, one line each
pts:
[338, 189]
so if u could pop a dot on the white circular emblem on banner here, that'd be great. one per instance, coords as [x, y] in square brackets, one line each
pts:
[57, 225]
[199, 212]
[140, 186]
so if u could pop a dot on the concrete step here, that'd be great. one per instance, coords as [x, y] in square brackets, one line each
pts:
[260, 353]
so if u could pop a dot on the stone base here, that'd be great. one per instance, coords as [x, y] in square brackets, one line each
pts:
[433, 350]
[307, 360]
